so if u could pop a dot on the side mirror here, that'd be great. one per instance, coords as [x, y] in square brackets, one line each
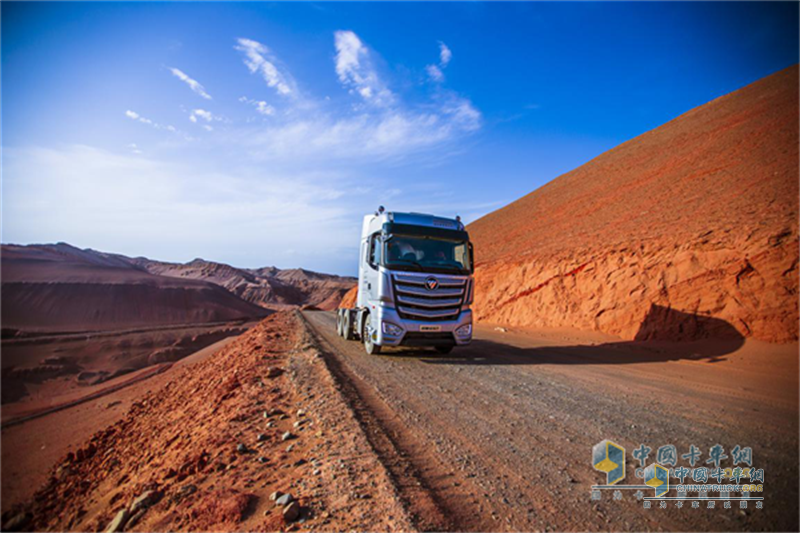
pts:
[374, 243]
[471, 259]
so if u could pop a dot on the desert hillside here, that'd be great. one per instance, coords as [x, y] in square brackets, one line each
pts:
[254, 437]
[698, 216]
[74, 319]
[267, 287]
[59, 288]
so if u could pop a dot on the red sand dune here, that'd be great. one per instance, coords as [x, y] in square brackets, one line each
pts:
[697, 216]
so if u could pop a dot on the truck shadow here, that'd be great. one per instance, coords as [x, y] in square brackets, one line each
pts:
[664, 335]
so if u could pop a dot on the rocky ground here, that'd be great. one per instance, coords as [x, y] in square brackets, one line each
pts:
[40, 371]
[253, 437]
[289, 427]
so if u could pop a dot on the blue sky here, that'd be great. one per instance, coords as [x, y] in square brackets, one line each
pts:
[259, 134]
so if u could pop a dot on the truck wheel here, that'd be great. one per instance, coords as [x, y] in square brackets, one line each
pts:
[369, 344]
[444, 350]
[347, 326]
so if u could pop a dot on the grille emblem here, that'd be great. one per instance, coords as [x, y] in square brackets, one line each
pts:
[431, 284]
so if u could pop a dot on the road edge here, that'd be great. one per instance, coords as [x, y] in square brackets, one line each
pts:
[417, 499]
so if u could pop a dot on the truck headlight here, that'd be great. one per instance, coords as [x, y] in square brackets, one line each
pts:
[392, 329]
[464, 331]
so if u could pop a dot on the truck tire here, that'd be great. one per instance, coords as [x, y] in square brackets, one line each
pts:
[370, 347]
[347, 325]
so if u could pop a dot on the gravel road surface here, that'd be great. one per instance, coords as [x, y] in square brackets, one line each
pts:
[499, 434]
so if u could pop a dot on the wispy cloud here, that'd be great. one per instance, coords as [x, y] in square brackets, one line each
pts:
[198, 116]
[436, 72]
[192, 83]
[356, 70]
[204, 206]
[392, 134]
[133, 115]
[274, 168]
[388, 127]
[261, 106]
[445, 55]
[202, 114]
[259, 59]
[309, 154]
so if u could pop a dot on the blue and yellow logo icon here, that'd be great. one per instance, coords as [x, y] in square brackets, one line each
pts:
[609, 458]
[657, 477]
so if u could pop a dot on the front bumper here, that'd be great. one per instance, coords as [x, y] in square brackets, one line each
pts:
[414, 331]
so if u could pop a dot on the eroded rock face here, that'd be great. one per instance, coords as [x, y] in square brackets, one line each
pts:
[647, 293]
[688, 231]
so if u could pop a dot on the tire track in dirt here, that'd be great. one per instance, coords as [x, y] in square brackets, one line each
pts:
[416, 472]
[500, 433]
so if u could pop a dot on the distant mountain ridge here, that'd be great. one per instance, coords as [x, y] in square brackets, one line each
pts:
[58, 287]
[267, 287]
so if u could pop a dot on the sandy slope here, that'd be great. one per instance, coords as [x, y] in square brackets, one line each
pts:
[181, 440]
[698, 216]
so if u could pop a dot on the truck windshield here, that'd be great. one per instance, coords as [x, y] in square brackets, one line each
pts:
[427, 254]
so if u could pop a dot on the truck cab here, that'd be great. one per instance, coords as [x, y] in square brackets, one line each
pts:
[415, 283]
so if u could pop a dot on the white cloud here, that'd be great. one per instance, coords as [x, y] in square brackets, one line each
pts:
[252, 188]
[261, 106]
[259, 59]
[445, 55]
[208, 116]
[264, 108]
[319, 131]
[193, 84]
[374, 132]
[462, 112]
[133, 115]
[435, 73]
[175, 211]
[356, 71]
[362, 137]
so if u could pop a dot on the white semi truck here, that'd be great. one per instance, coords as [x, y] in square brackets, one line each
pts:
[415, 283]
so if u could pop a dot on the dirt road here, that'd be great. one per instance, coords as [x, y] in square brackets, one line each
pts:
[499, 434]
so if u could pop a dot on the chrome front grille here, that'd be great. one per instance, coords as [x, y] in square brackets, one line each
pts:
[415, 302]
